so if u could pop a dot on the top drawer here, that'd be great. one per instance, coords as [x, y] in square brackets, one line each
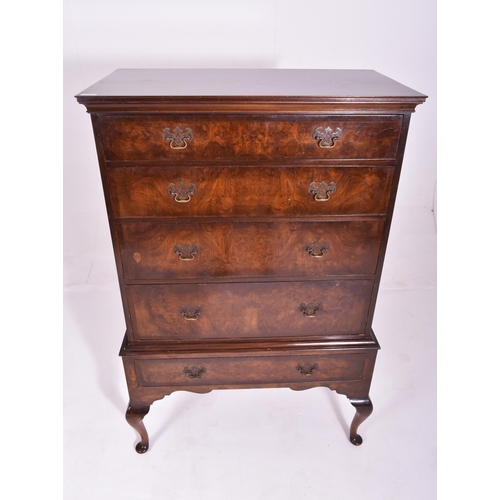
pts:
[208, 137]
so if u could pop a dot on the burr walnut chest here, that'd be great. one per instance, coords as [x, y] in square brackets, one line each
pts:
[249, 214]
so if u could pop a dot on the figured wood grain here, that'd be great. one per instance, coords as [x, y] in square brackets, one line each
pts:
[248, 191]
[238, 249]
[220, 168]
[151, 373]
[138, 138]
[239, 310]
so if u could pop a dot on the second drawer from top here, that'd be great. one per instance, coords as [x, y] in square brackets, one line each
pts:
[151, 192]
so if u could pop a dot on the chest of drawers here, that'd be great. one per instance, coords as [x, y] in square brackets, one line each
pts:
[249, 212]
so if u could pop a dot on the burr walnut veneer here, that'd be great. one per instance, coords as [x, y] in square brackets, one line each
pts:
[249, 213]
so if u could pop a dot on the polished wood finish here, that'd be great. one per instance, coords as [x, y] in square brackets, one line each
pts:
[269, 309]
[143, 191]
[134, 415]
[168, 250]
[331, 85]
[364, 409]
[249, 213]
[345, 370]
[255, 370]
[236, 137]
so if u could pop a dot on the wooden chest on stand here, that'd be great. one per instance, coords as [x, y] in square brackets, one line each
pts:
[249, 213]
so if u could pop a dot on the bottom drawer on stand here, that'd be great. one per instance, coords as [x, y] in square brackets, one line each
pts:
[243, 370]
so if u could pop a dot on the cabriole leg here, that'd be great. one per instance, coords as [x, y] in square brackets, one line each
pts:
[134, 415]
[364, 408]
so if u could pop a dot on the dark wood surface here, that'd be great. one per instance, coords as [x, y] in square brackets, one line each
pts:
[250, 214]
[144, 373]
[248, 249]
[275, 369]
[344, 84]
[241, 191]
[236, 137]
[258, 310]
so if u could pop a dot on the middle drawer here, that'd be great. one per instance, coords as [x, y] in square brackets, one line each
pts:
[166, 250]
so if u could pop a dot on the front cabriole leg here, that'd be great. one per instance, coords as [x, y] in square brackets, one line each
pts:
[134, 415]
[364, 408]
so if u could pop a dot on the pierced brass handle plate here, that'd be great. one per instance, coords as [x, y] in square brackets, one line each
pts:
[317, 249]
[310, 310]
[182, 193]
[177, 138]
[194, 371]
[322, 191]
[307, 369]
[186, 252]
[190, 313]
[327, 137]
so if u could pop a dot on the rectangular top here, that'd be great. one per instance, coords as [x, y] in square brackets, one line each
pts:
[282, 83]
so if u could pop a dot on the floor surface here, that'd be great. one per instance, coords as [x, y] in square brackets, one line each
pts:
[268, 444]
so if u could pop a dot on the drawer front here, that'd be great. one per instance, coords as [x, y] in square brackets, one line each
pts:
[202, 137]
[249, 191]
[244, 310]
[238, 249]
[255, 370]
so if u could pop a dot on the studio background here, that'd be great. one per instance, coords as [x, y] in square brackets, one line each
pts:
[250, 444]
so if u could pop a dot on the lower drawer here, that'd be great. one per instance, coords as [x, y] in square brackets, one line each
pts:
[243, 310]
[248, 371]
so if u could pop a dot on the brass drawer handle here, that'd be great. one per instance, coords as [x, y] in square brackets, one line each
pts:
[322, 191]
[190, 313]
[327, 137]
[194, 371]
[186, 251]
[181, 192]
[307, 369]
[317, 249]
[177, 138]
[310, 310]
